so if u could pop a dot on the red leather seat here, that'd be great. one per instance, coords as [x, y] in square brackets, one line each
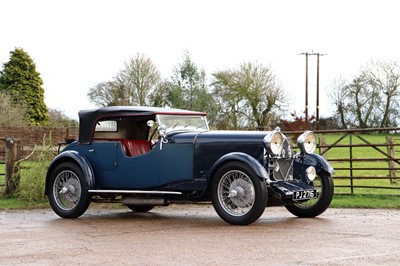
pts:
[134, 147]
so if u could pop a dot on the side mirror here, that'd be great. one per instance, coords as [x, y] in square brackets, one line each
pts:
[150, 123]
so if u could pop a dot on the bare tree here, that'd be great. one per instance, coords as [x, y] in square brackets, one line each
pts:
[253, 87]
[12, 114]
[228, 100]
[339, 98]
[258, 85]
[385, 77]
[132, 86]
[110, 93]
[365, 98]
[370, 99]
[140, 76]
[58, 119]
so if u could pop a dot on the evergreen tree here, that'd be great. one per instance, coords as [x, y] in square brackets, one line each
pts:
[188, 89]
[20, 79]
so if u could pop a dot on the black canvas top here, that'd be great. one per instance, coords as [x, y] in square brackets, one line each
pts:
[89, 118]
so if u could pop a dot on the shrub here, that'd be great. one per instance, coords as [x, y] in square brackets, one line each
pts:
[33, 173]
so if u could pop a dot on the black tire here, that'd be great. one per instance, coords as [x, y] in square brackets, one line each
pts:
[238, 195]
[140, 208]
[314, 207]
[68, 191]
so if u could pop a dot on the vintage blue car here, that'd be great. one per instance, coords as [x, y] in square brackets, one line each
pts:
[147, 156]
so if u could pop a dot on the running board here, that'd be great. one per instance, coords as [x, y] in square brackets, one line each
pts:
[136, 192]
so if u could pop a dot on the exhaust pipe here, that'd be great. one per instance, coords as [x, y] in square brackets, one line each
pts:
[141, 201]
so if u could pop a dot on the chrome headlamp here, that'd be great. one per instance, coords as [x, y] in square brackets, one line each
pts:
[311, 173]
[307, 142]
[273, 142]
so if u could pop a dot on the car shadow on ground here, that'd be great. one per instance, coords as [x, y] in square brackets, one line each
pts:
[190, 216]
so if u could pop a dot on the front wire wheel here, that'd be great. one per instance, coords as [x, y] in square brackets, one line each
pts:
[323, 182]
[68, 192]
[239, 196]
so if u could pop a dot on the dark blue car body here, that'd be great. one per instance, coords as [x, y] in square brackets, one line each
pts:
[181, 163]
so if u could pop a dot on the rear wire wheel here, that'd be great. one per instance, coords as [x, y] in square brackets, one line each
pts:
[238, 195]
[68, 191]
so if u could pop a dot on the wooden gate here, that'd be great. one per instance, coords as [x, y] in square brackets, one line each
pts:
[366, 167]
[2, 164]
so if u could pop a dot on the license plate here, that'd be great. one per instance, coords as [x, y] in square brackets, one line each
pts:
[305, 194]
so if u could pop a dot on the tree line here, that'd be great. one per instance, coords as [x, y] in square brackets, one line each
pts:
[248, 96]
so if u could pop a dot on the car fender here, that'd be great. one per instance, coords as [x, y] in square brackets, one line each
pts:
[244, 158]
[302, 162]
[76, 157]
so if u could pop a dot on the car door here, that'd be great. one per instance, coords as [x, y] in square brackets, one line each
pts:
[158, 167]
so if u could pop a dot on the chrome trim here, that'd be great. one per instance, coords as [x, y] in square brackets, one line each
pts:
[134, 192]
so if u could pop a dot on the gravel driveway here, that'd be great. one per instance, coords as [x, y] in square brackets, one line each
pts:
[194, 235]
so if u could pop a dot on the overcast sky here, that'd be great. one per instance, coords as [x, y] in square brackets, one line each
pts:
[78, 43]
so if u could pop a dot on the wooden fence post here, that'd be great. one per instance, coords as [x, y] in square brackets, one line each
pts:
[392, 165]
[11, 176]
[322, 148]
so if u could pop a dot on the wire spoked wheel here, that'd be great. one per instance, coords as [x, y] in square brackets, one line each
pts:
[239, 196]
[67, 190]
[68, 193]
[236, 193]
[323, 182]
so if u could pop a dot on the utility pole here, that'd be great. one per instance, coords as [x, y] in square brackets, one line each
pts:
[317, 115]
[306, 104]
[317, 106]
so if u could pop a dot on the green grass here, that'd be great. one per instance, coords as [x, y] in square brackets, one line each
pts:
[16, 203]
[366, 201]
